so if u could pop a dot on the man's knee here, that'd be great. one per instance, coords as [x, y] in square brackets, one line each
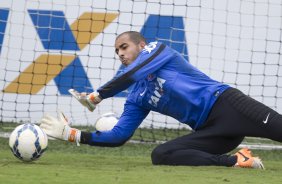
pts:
[158, 155]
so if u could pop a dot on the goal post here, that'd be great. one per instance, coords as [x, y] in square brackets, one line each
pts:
[48, 47]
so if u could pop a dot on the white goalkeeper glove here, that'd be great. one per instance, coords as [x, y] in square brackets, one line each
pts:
[59, 128]
[88, 100]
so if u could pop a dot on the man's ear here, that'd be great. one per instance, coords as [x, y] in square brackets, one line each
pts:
[142, 44]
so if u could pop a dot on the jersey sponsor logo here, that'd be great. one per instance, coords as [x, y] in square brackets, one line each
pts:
[266, 119]
[158, 92]
[151, 46]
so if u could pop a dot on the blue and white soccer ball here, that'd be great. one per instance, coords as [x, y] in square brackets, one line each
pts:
[28, 142]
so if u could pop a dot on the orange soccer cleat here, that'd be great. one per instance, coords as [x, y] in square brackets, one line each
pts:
[245, 159]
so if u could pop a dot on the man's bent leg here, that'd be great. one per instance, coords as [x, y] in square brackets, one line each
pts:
[196, 150]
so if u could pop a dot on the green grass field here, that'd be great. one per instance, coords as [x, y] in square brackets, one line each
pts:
[64, 162]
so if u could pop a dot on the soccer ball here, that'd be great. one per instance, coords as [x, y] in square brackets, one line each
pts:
[106, 122]
[28, 142]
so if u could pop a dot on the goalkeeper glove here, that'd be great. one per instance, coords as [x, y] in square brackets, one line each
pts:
[90, 101]
[59, 128]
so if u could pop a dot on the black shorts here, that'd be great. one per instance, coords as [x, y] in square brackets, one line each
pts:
[233, 116]
[236, 114]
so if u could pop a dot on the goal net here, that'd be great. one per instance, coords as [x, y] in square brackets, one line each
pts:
[48, 47]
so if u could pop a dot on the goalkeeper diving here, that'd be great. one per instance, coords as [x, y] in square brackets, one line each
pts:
[163, 81]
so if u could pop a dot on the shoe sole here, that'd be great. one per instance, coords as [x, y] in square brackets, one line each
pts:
[257, 164]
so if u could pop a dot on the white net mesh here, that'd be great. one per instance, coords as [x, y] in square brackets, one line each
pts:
[47, 47]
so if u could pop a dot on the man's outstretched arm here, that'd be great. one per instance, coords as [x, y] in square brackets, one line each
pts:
[129, 121]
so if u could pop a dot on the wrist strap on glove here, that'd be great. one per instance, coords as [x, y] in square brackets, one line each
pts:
[90, 101]
[72, 134]
[94, 97]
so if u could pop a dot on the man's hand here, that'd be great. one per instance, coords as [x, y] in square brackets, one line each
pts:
[88, 100]
[59, 128]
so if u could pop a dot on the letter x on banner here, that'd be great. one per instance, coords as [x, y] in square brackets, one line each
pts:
[66, 69]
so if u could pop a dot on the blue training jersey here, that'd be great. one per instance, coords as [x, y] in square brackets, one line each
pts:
[163, 82]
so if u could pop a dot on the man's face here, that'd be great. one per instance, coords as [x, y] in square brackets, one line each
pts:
[127, 50]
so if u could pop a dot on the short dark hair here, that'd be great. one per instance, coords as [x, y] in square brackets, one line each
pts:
[134, 36]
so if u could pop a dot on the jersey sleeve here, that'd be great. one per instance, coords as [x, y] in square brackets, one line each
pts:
[149, 60]
[129, 121]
